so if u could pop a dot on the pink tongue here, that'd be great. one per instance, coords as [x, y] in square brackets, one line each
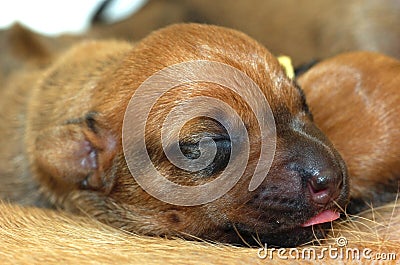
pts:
[326, 216]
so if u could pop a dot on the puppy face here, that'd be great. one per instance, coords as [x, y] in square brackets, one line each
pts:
[78, 154]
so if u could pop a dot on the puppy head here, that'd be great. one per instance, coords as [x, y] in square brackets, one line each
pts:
[305, 180]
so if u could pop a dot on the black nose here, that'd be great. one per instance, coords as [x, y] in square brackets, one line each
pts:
[324, 186]
[322, 180]
[317, 167]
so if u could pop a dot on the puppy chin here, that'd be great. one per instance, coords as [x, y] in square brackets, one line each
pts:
[290, 231]
[243, 235]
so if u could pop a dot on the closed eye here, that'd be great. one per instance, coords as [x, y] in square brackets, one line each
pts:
[191, 150]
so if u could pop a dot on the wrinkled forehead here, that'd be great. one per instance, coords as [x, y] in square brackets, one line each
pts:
[199, 103]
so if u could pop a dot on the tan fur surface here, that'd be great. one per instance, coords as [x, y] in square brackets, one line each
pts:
[38, 236]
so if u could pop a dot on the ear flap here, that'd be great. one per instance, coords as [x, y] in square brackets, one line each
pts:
[76, 154]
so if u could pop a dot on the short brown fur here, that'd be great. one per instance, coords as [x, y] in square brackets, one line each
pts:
[354, 98]
[65, 139]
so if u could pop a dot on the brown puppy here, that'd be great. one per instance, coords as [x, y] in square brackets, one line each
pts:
[355, 100]
[62, 135]
[51, 236]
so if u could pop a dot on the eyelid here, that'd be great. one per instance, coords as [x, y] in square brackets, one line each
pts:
[223, 145]
[194, 139]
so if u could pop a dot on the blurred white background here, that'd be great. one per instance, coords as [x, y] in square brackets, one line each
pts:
[51, 17]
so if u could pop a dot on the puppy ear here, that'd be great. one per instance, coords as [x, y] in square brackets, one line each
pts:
[77, 153]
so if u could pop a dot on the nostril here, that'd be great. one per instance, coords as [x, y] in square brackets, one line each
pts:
[319, 183]
[321, 196]
[322, 188]
[324, 183]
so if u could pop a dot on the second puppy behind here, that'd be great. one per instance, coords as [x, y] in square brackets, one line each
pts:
[355, 100]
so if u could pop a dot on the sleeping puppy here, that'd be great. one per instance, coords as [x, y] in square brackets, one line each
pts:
[63, 135]
[25, 230]
[354, 98]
